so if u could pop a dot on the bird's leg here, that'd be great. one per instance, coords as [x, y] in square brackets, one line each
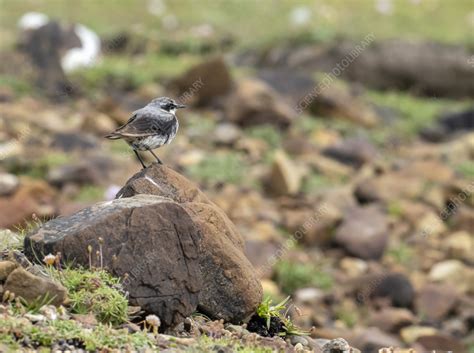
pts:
[140, 159]
[157, 159]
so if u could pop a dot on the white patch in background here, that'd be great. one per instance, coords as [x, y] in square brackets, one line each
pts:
[111, 192]
[385, 7]
[85, 56]
[32, 20]
[169, 22]
[156, 7]
[470, 18]
[300, 16]
[415, 2]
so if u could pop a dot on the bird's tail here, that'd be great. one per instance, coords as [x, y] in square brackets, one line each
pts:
[113, 136]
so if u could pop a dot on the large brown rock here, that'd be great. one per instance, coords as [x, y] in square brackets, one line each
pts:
[150, 238]
[231, 290]
[30, 287]
[253, 102]
[180, 251]
[204, 82]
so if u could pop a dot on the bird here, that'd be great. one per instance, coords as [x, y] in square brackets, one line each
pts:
[150, 127]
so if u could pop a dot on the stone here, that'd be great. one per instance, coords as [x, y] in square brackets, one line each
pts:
[336, 345]
[231, 291]
[453, 273]
[353, 151]
[6, 267]
[253, 102]
[363, 232]
[90, 172]
[88, 320]
[149, 241]
[394, 286]
[310, 296]
[8, 183]
[228, 275]
[31, 197]
[388, 187]
[31, 287]
[434, 302]
[411, 333]
[460, 245]
[226, 134]
[285, 178]
[372, 339]
[392, 319]
[441, 342]
[69, 142]
[204, 82]
[353, 267]
[336, 100]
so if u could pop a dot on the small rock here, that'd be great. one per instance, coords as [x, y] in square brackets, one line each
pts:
[392, 319]
[31, 287]
[8, 183]
[390, 186]
[337, 345]
[9, 240]
[440, 342]
[353, 151]
[88, 320]
[31, 197]
[434, 302]
[395, 286]
[6, 267]
[254, 103]
[460, 245]
[35, 318]
[411, 333]
[372, 339]
[69, 142]
[453, 272]
[363, 232]
[296, 339]
[49, 311]
[285, 178]
[226, 134]
[309, 295]
[204, 82]
[353, 267]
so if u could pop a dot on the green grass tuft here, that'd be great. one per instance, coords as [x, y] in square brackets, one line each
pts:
[291, 275]
[95, 291]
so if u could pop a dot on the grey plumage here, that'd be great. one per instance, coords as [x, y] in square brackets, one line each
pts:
[150, 127]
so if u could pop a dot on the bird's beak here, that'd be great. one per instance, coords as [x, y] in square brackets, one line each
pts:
[179, 106]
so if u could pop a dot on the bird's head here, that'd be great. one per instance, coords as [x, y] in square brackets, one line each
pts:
[167, 104]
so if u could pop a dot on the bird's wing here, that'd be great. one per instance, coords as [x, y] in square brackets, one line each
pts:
[146, 123]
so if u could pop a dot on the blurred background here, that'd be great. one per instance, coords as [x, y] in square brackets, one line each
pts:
[337, 135]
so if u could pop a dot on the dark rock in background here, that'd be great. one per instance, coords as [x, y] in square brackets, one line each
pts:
[449, 126]
[253, 102]
[44, 46]
[428, 68]
[204, 82]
